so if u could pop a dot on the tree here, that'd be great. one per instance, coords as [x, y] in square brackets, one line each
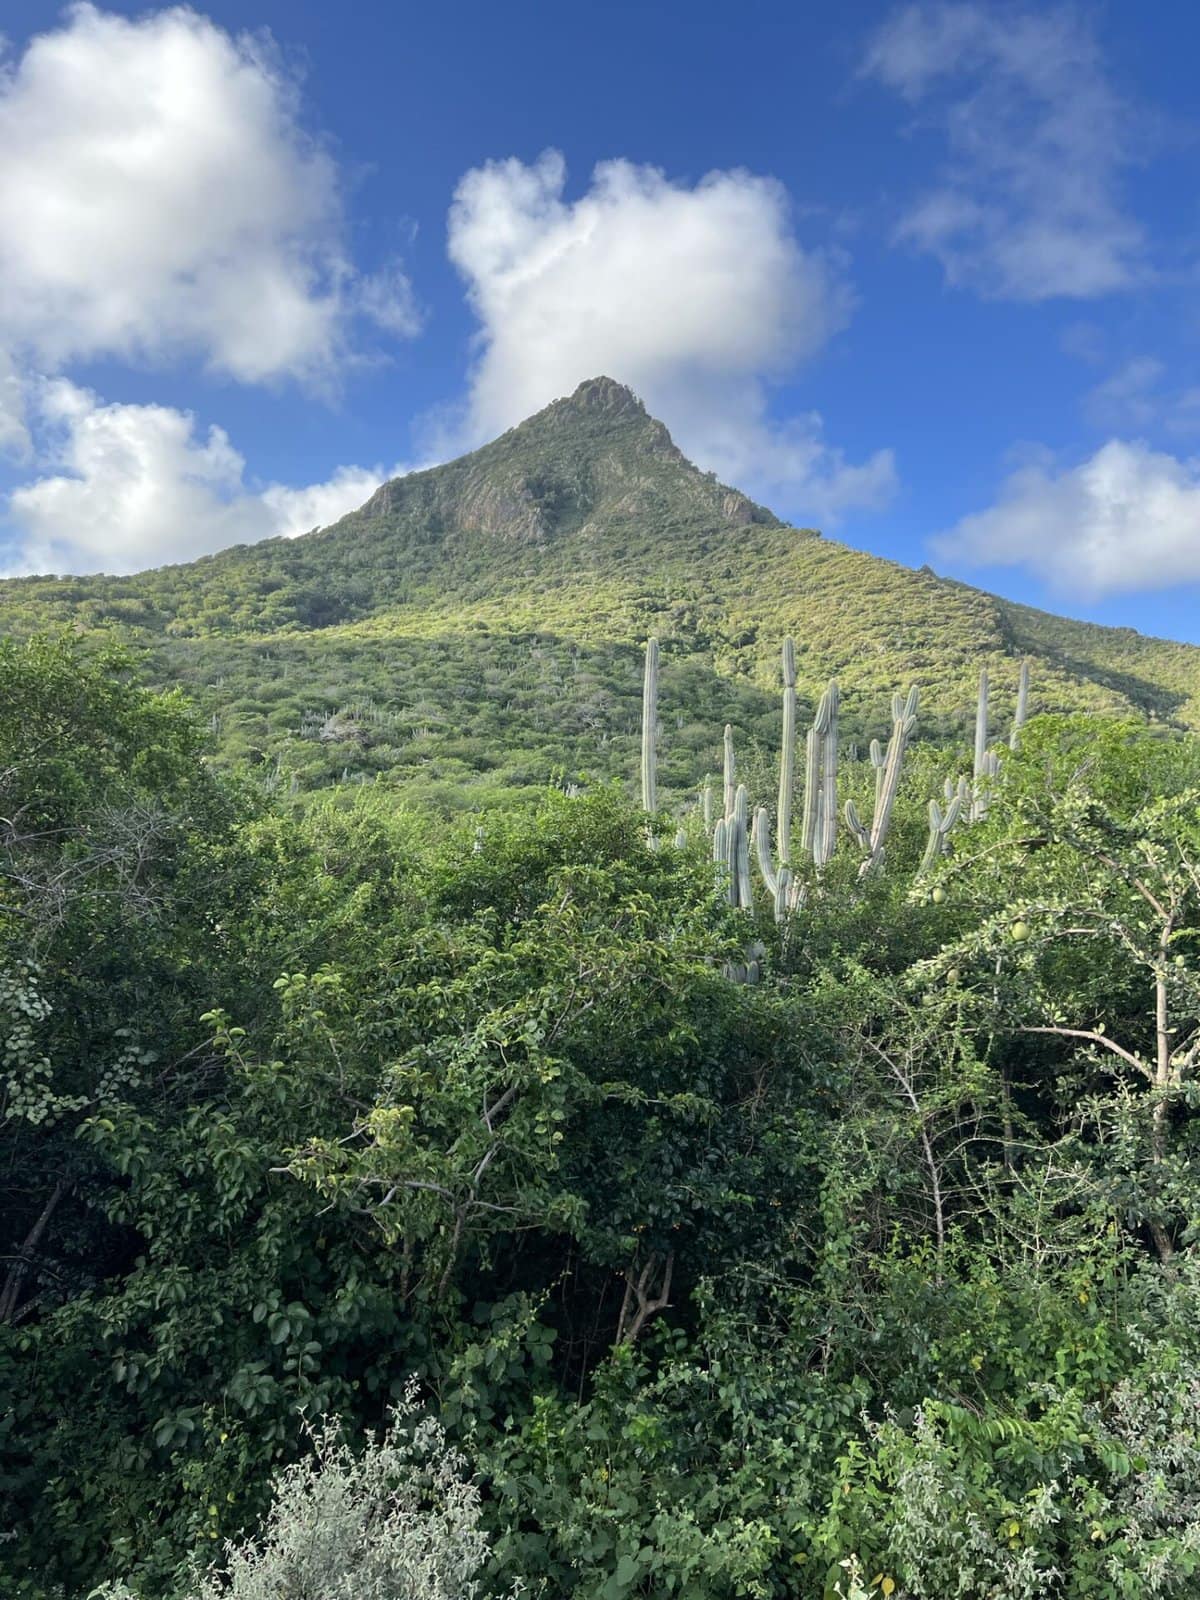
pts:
[1080, 900]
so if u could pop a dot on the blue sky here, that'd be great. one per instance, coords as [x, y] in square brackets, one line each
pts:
[921, 275]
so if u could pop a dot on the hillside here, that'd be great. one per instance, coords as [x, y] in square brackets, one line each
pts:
[481, 622]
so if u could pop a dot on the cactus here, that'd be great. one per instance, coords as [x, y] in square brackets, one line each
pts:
[731, 853]
[940, 823]
[942, 819]
[987, 762]
[818, 830]
[887, 781]
[826, 725]
[730, 772]
[650, 729]
[1022, 711]
[737, 845]
[750, 970]
[720, 853]
[787, 755]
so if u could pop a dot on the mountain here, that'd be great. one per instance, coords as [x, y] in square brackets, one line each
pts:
[481, 623]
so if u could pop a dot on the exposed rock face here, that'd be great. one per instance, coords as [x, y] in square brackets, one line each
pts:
[582, 461]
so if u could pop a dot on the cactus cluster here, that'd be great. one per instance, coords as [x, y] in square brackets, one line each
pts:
[943, 818]
[969, 799]
[818, 827]
[731, 844]
[735, 836]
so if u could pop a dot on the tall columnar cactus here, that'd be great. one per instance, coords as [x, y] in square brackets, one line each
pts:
[824, 804]
[650, 729]
[1022, 711]
[887, 781]
[987, 762]
[787, 755]
[739, 851]
[730, 773]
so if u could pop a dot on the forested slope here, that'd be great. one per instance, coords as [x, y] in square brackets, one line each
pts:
[479, 626]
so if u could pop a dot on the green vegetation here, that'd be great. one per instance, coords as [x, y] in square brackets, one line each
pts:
[340, 1140]
[478, 629]
[474, 1182]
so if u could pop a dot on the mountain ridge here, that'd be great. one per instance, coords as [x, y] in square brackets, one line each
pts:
[485, 617]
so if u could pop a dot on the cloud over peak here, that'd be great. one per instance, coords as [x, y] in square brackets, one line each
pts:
[698, 296]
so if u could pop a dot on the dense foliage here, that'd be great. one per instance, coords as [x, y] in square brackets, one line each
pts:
[876, 1276]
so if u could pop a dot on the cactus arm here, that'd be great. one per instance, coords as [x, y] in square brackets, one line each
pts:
[681, 838]
[856, 827]
[730, 770]
[740, 861]
[940, 824]
[878, 761]
[812, 791]
[933, 847]
[829, 756]
[1022, 711]
[886, 791]
[650, 728]
[706, 806]
[762, 846]
[783, 894]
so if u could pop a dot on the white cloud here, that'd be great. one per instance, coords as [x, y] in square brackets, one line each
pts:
[136, 486]
[14, 435]
[1137, 396]
[1130, 397]
[159, 197]
[1126, 519]
[1028, 206]
[696, 297]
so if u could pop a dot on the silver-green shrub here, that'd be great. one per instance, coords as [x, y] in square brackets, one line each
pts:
[399, 1520]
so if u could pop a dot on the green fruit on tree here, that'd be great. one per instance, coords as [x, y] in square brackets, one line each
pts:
[952, 975]
[938, 896]
[1020, 932]
[1180, 962]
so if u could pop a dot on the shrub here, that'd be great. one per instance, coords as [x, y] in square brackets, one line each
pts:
[398, 1521]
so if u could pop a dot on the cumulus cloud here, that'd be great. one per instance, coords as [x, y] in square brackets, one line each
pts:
[138, 485]
[1126, 519]
[158, 197]
[696, 296]
[1028, 205]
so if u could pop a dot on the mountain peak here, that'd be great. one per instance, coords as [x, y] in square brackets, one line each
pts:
[593, 464]
[605, 394]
